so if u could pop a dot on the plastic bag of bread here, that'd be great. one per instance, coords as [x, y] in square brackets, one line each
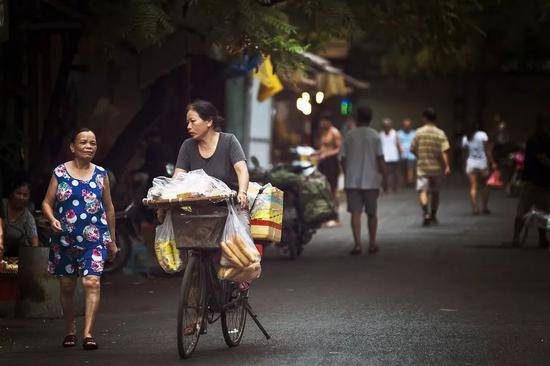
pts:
[240, 260]
[168, 255]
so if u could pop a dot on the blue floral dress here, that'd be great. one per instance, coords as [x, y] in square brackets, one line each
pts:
[81, 247]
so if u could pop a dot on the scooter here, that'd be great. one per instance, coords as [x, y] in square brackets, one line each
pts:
[296, 231]
[513, 186]
[129, 218]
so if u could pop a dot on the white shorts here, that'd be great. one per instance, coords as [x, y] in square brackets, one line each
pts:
[475, 165]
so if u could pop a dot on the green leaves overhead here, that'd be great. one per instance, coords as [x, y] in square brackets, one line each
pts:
[391, 37]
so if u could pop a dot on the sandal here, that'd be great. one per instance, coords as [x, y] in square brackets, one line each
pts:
[373, 249]
[190, 329]
[244, 286]
[356, 251]
[69, 341]
[89, 344]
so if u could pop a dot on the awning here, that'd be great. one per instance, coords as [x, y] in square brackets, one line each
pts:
[323, 65]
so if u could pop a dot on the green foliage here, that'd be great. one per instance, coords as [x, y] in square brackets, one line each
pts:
[409, 38]
[242, 27]
[395, 37]
[137, 23]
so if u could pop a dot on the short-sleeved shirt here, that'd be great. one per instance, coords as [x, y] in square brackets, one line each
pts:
[428, 144]
[535, 171]
[476, 149]
[24, 223]
[220, 165]
[361, 149]
[405, 139]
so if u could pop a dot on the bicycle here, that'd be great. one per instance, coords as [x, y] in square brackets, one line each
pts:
[203, 298]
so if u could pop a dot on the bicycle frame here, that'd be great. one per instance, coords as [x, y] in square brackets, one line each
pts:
[215, 294]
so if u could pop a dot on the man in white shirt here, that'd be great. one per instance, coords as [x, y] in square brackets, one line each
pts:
[365, 171]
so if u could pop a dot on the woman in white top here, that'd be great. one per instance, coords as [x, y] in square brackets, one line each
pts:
[477, 167]
[392, 151]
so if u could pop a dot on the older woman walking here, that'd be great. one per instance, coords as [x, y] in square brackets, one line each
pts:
[80, 210]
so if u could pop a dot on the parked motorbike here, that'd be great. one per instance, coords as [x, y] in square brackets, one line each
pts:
[513, 185]
[296, 231]
[130, 217]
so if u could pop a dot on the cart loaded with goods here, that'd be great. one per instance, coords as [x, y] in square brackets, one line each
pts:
[201, 214]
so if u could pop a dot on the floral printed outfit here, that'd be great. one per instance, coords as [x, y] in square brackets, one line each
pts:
[80, 249]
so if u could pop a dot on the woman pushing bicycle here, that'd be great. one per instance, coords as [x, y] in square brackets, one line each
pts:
[203, 295]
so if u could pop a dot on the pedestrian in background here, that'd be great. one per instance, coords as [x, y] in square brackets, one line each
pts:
[80, 210]
[330, 143]
[392, 150]
[19, 223]
[365, 171]
[348, 125]
[431, 147]
[2, 262]
[535, 191]
[477, 168]
[408, 160]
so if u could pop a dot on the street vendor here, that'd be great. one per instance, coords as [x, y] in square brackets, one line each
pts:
[79, 208]
[219, 154]
[20, 226]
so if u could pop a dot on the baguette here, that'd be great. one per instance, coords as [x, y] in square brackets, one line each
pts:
[228, 254]
[249, 273]
[225, 273]
[234, 248]
[246, 250]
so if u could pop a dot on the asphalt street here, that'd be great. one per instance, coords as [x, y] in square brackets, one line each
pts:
[444, 295]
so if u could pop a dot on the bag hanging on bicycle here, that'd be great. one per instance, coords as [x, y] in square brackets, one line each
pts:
[167, 253]
[240, 260]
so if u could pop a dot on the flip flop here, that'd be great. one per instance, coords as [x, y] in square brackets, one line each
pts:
[69, 341]
[89, 344]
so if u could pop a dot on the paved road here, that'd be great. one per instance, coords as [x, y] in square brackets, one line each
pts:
[445, 295]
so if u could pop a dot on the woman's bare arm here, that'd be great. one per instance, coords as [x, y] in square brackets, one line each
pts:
[48, 205]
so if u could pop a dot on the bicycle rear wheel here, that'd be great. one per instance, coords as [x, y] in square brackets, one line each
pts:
[191, 307]
[234, 317]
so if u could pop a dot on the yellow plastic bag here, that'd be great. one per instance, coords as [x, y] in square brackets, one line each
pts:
[166, 251]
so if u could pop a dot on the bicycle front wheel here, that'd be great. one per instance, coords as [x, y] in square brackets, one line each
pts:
[234, 317]
[191, 307]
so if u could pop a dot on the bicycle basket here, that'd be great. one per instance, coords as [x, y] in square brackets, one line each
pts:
[199, 227]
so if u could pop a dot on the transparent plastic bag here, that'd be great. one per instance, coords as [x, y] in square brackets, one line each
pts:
[240, 260]
[193, 184]
[168, 255]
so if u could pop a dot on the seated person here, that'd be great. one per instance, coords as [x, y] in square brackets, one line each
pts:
[19, 226]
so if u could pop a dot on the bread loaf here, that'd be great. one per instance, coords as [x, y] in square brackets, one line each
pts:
[250, 253]
[228, 254]
[238, 252]
[227, 273]
[249, 273]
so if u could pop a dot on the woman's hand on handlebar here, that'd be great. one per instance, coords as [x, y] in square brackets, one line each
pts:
[242, 198]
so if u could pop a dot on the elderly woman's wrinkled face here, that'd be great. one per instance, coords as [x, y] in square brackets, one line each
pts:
[196, 126]
[20, 197]
[84, 146]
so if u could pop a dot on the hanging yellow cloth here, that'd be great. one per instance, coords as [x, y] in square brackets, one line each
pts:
[332, 84]
[269, 81]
